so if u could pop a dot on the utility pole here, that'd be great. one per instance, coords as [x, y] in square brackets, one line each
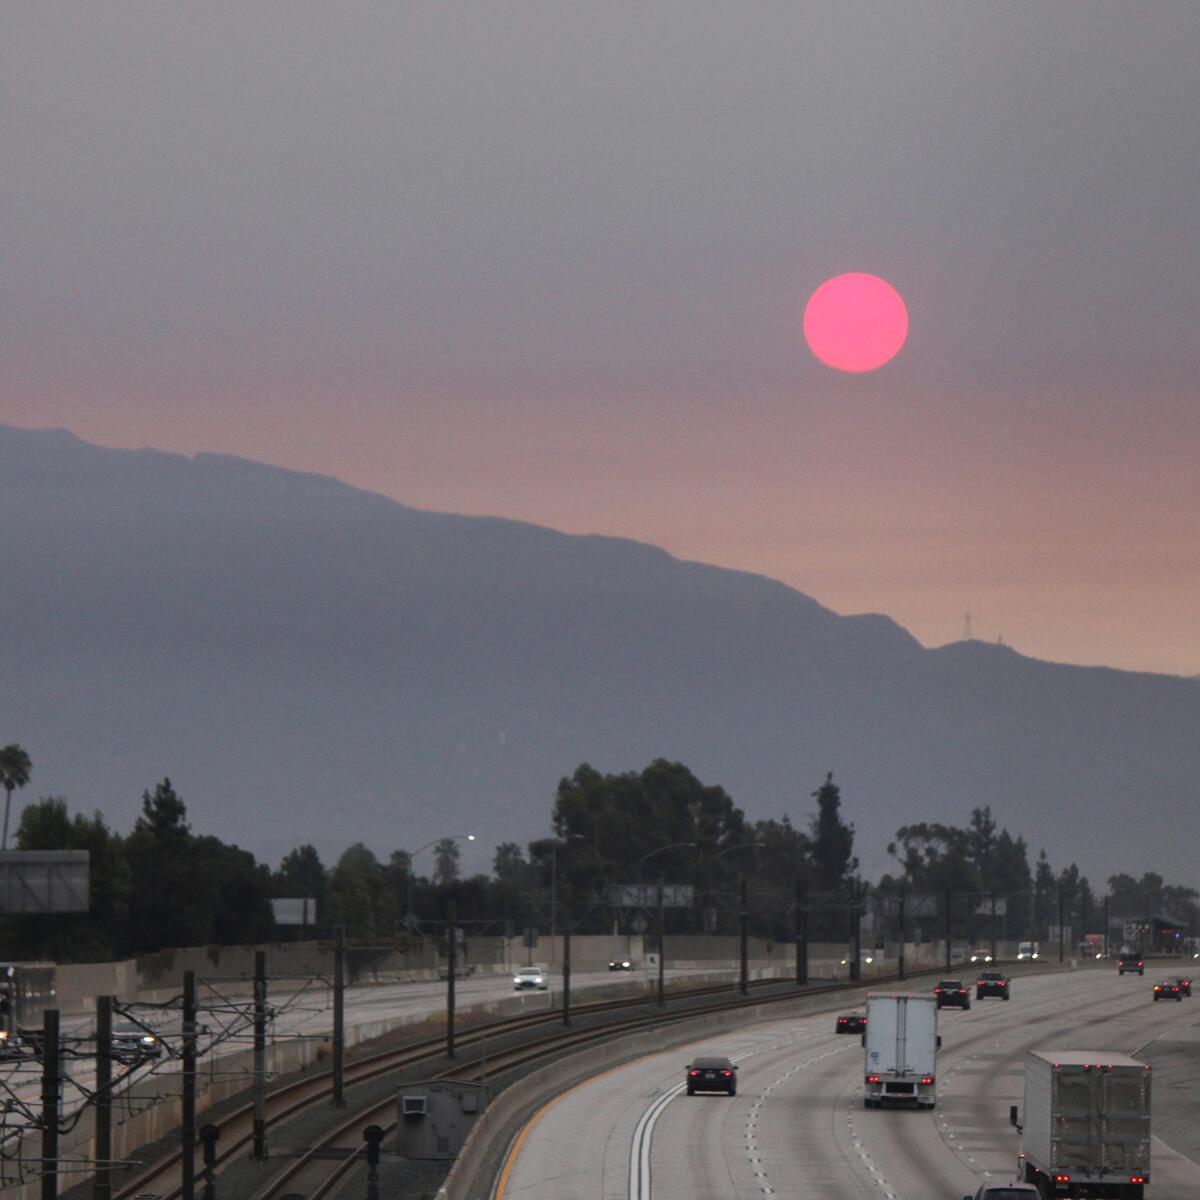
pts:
[452, 963]
[993, 930]
[900, 950]
[1104, 943]
[662, 946]
[553, 892]
[102, 1182]
[339, 1016]
[855, 932]
[1062, 933]
[801, 932]
[947, 931]
[744, 973]
[567, 967]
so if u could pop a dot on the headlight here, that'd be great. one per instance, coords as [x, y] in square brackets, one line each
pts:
[516, 979]
[1034, 954]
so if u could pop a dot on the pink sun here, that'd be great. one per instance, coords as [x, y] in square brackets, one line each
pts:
[855, 322]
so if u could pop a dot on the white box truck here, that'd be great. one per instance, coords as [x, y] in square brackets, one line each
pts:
[1085, 1130]
[902, 1043]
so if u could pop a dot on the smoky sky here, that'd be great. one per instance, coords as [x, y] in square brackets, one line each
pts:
[548, 261]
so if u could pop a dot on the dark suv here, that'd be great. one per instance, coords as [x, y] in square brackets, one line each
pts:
[991, 983]
[950, 992]
[1131, 962]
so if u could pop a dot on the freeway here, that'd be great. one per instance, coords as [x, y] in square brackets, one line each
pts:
[798, 1129]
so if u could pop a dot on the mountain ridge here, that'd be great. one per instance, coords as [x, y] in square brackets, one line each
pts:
[280, 641]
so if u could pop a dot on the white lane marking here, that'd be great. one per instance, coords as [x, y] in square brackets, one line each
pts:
[868, 1162]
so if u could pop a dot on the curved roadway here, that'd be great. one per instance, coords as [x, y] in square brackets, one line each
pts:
[797, 1127]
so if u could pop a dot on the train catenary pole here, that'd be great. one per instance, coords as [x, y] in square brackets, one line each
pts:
[102, 1180]
[187, 1132]
[260, 1054]
[566, 970]
[339, 1017]
[900, 949]
[51, 1085]
[801, 932]
[948, 964]
[452, 963]
[744, 955]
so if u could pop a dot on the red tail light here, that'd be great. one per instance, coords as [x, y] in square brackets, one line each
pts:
[1004, 983]
[727, 1074]
[927, 1079]
[1062, 1179]
[937, 991]
[872, 1078]
[693, 1074]
[1137, 1179]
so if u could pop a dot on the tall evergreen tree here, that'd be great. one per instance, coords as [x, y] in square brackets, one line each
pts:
[831, 842]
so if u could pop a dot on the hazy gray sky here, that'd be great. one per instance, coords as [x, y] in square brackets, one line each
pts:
[549, 260]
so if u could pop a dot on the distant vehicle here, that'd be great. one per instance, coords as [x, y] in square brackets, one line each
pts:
[981, 956]
[132, 1042]
[1185, 984]
[1093, 945]
[992, 983]
[711, 1074]
[1131, 962]
[620, 964]
[1168, 989]
[26, 991]
[851, 1023]
[1027, 951]
[1006, 1191]
[952, 993]
[1082, 1089]
[901, 1050]
[528, 978]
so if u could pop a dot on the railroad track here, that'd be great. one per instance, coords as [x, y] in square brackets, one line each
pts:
[161, 1179]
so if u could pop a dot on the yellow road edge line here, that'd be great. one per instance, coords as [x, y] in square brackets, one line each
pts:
[515, 1149]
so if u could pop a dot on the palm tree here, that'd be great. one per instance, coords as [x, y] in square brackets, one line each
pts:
[15, 766]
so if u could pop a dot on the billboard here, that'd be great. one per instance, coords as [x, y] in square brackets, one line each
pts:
[645, 895]
[44, 881]
[301, 910]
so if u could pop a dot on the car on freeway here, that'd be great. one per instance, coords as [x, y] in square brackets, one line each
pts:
[711, 1074]
[132, 1042]
[992, 983]
[1131, 962]
[1027, 951]
[528, 978]
[854, 1022]
[1185, 984]
[1006, 1191]
[981, 956]
[620, 964]
[951, 992]
[1168, 989]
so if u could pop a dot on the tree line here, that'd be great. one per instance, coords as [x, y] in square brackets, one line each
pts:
[162, 885]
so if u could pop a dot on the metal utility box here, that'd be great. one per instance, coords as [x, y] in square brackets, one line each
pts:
[434, 1119]
[1086, 1123]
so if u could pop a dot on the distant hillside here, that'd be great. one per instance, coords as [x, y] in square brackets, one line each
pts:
[312, 662]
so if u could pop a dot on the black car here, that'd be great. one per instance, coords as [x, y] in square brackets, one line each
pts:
[711, 1075]
[851, 1023]
[1185, 984]
[1131, 962]
[1168, 989]
[951, 993]
[992, 983]
[620, 964]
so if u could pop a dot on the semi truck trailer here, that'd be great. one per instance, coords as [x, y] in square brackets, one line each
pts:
[901, 1042]
[1085, 1128]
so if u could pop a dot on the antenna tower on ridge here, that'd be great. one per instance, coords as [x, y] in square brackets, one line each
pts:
[968, 635]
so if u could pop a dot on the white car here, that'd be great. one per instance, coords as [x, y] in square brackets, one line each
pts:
[1027, 951]
[528, 978]
[981, 956]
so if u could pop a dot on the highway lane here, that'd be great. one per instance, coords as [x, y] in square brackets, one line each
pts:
[798, 1128]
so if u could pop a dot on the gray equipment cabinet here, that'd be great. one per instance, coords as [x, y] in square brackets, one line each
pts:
[434, 1119]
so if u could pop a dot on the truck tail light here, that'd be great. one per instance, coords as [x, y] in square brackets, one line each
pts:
[1062, 1179]
[1137, 1179]
[927, 1079]
[872, 1078]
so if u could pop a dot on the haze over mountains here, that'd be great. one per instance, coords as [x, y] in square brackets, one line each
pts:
[310, 662]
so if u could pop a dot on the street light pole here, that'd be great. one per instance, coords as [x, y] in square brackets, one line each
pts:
[661, 910]
[410, 920]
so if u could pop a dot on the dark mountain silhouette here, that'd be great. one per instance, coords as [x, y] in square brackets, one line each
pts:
[309, 662]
